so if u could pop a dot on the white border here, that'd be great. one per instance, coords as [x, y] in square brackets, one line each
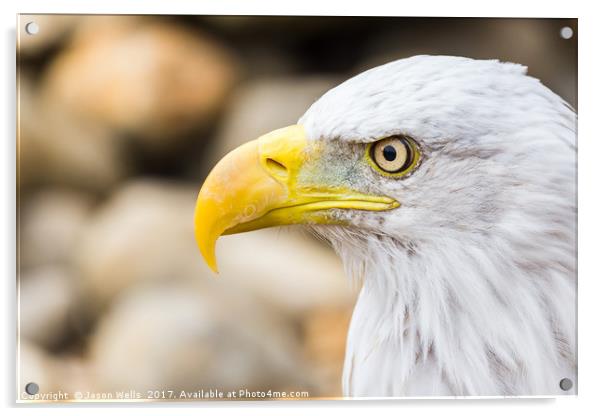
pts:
[590, 209]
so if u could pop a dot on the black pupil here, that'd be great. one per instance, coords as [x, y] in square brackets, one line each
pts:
[389, 153]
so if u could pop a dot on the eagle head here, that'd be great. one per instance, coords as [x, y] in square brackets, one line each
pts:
[447, 185]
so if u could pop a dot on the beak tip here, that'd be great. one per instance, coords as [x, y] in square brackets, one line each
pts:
[213, 267]
[209, 257]
[206, 246]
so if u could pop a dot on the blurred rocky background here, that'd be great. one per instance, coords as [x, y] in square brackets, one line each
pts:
[121, 118]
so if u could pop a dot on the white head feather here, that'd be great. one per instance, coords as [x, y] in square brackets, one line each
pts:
[469, 287]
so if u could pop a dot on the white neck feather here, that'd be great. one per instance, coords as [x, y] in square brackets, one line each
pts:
[460, 321]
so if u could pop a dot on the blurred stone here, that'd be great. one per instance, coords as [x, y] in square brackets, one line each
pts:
[261, 106]
[231, 24]
[174, 336]
[325, 338]
[35, 366]
[50, 223]
[153, 80]
[75, 373]
[144, 232]
[56, 146]
[47, 297]
[53, 28]
[284, 268]
[171, 322]
[262, 27]
[52, 374]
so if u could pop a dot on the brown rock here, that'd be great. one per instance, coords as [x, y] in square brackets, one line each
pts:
[151, 79]
[324, 340]
[56, 146]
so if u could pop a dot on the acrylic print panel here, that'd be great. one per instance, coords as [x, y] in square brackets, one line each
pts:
[429, 205]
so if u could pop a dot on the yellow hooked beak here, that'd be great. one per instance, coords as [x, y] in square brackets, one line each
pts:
[257, 185]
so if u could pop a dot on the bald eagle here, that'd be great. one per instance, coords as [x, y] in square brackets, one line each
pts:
[447, 185]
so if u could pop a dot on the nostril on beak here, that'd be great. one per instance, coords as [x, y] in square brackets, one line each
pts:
[276, 168]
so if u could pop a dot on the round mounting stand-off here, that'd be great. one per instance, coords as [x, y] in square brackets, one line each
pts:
[32, 388]
[566, 384]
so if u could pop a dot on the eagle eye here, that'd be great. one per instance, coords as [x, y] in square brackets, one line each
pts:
[393, 156]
